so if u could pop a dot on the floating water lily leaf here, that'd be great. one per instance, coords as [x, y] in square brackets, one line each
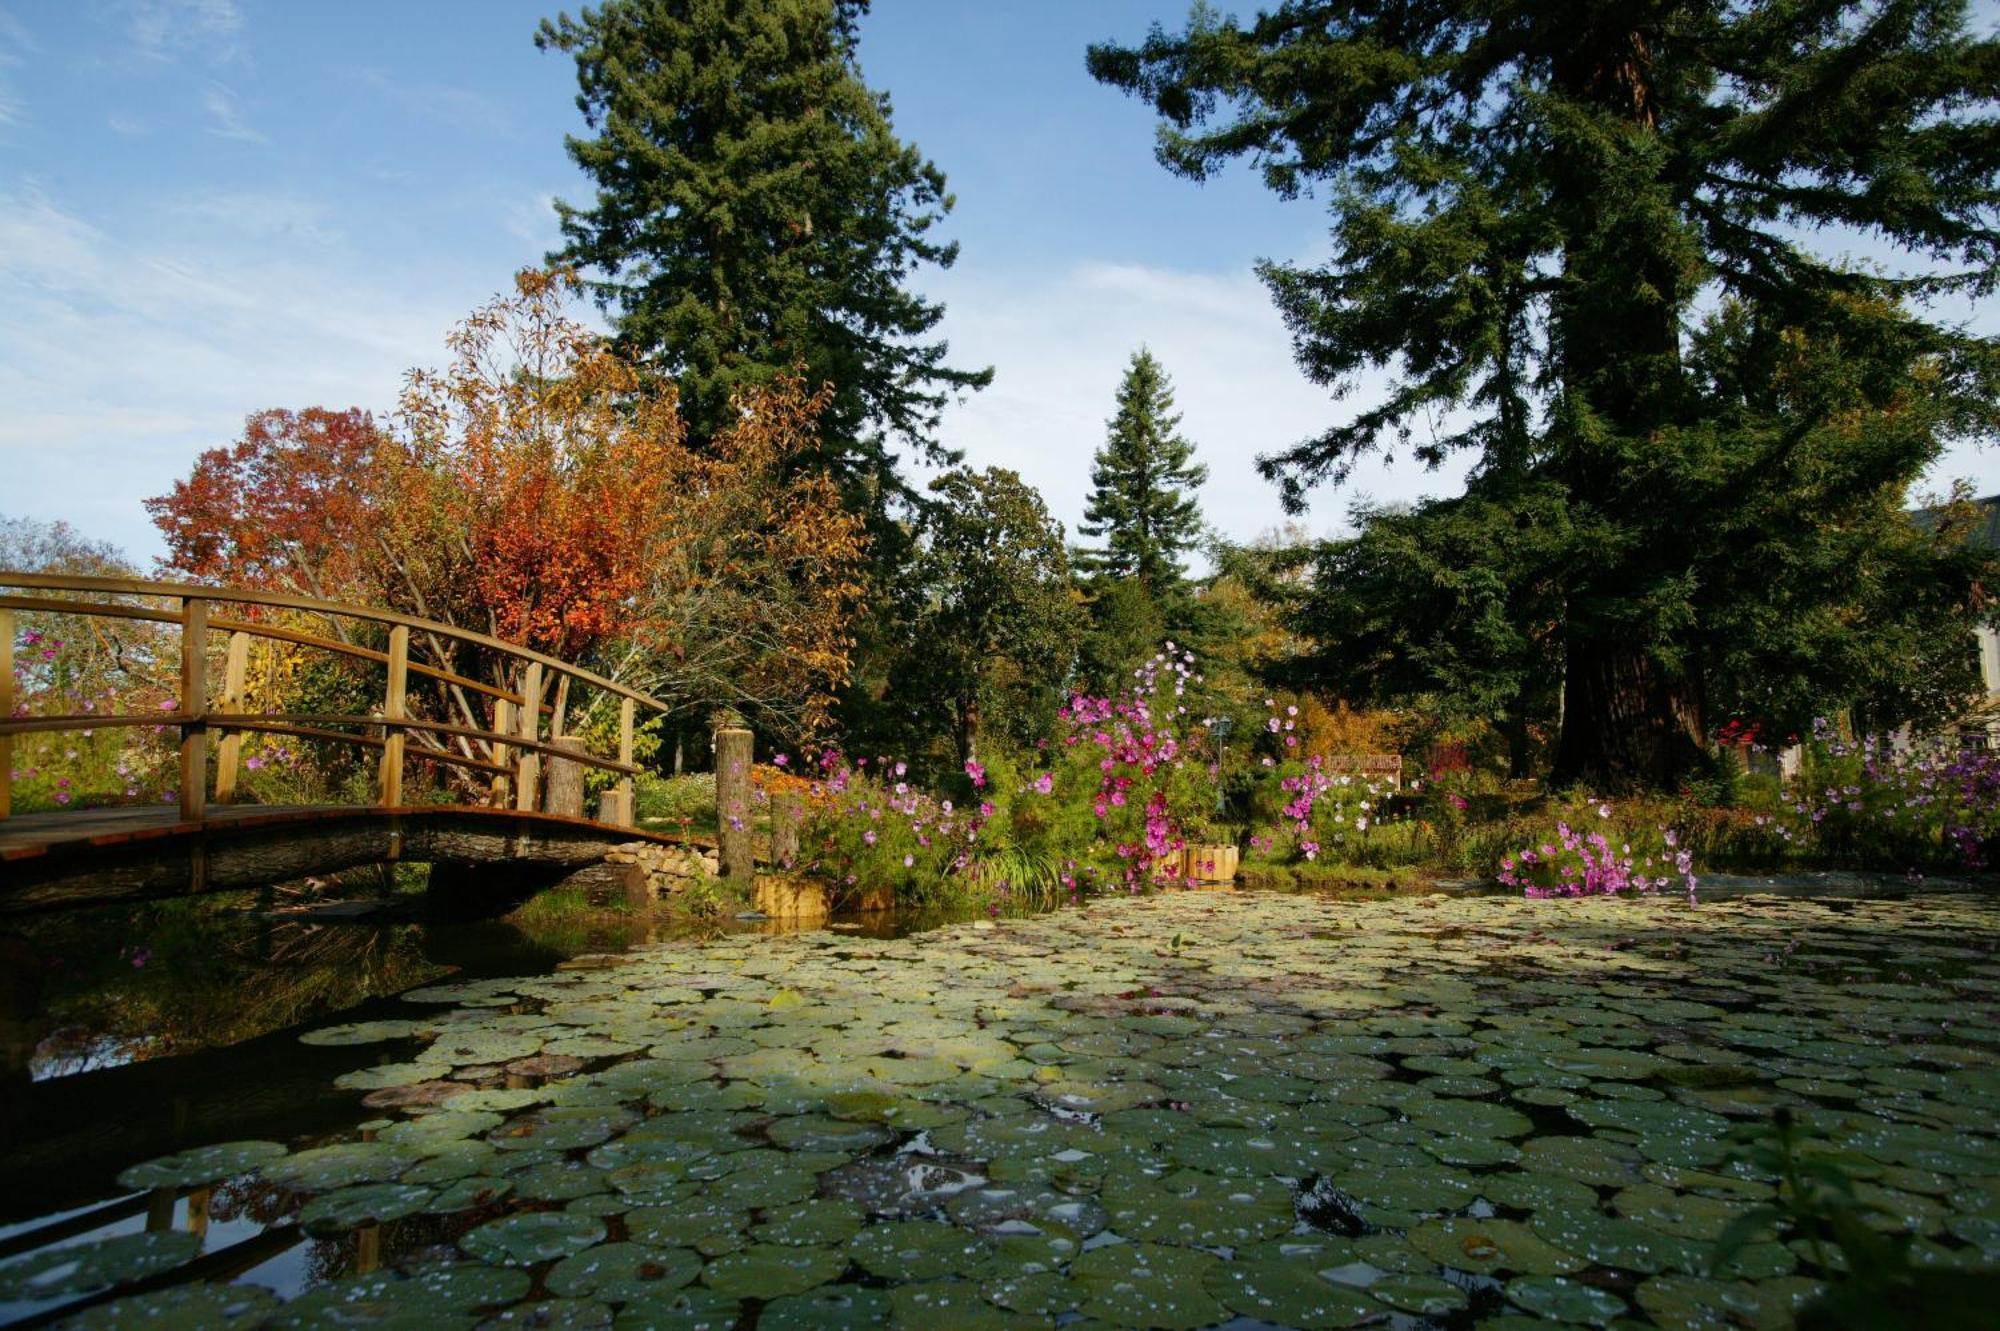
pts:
[365, 1032]
[539, 1236]
[828, 1308]
[51, 1273]
[1485, 1247]
[1148, 1285]
[204, 1164]
[772, 1270]
[1615, 1241]
[327, 1167]
[364, 1204]
[469, 1194]
[622, 1272]
[553, 1315]
[1565, 1300]
[1470, 1118]
[561, 1181]
[1693, 1302]
[681, 1310]
[433, 1132]
[821, 1221]
[1425, 1295]
[814, 1133]
[917, 1250]
[391, 1074]
[193, 1307]
[1288, 1293]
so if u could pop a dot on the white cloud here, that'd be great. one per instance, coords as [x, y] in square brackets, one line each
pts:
[225, 118]
[122, 355]
[15, 42]
[169, 29]
[1060, 345]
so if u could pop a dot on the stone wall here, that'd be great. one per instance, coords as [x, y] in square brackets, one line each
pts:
[669, 870]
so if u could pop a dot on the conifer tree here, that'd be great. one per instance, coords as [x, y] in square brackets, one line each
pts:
[1601, 245]
[755, 215]
[1142, 504]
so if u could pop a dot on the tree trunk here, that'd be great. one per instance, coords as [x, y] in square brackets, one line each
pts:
[1626, 724]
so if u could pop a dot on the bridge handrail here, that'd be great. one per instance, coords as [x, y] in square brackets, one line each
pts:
[516, 728]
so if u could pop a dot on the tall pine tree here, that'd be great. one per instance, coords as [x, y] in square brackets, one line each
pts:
[756, 213]
[1582, 234]
[1142, 504]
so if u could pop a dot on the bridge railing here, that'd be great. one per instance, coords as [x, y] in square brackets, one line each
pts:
[514, 743]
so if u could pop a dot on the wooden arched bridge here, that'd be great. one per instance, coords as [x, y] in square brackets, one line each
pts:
[509, 731]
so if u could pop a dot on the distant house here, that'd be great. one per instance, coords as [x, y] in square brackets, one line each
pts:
[1985, 721]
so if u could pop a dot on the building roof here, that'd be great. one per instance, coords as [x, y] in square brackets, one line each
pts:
[1986, 533]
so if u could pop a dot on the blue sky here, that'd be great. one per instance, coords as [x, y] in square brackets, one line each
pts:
[209, 207]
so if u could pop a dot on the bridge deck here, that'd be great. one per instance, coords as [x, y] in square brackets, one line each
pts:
[27, 835]
[97, 856]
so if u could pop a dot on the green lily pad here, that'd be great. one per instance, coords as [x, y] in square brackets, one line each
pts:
[469, 1194]
[553, 1315]
[1614, 1240]
[828, 1308]
[78, 1268]
[622, 1272]
[202, 1165]
[1485, 1247]
[385, 1075]
[538, 1236]
[1204, 1210]
[820, 1221]
[325, 1168]
[194, 1307]
[917, 1250]
[1564, 1300]
[691, 1309]
[773, 1270]
[1288, 1293]
[364, 1032]
[363, 1204]
[1148, 1285]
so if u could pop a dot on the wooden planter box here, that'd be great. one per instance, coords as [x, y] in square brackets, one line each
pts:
[1209, 864]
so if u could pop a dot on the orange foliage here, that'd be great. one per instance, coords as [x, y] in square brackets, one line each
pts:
[540, 488]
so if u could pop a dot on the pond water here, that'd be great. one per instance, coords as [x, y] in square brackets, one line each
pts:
[1216, 1109]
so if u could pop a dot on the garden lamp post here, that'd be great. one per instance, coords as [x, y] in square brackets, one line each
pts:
[1223, 726]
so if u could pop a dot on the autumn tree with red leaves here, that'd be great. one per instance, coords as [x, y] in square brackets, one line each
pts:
[540, 489]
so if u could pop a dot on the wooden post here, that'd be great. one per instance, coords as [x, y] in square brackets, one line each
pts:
[528, 770]
[6, 711]
[734, 857]
[194, 704]
[229, 754]
[503, 724]
[628, 813]
[565, 784]
[395, 708]
[787, 814]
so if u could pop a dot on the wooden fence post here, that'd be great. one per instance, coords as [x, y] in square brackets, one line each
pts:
[229, 753]
[528, 770]
[503, 724]
[564, 793]
[194, 705]
[6, 711]
[734, 855]
[787, 816]
[628, 812]
[395, 708]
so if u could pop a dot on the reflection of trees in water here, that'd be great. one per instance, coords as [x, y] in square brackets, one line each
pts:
[190, 975]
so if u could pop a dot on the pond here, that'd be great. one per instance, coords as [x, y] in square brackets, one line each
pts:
[1194, 1110]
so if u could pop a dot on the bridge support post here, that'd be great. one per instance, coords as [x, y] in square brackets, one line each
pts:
[194, 706]
[528, 769]
[564, 793]
[628, 813]
[395, 708]
[229, 753]
[734, 858]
